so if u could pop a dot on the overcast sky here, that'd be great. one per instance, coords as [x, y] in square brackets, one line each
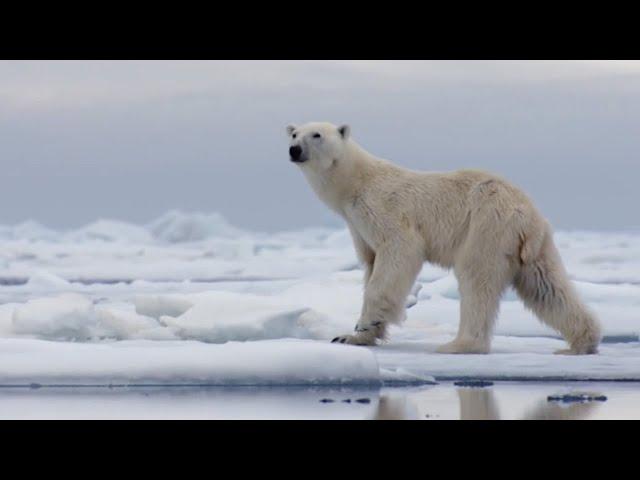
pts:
[129, 140]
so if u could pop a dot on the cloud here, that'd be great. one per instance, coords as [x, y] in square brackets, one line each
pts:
[210, 135]
[36, 85]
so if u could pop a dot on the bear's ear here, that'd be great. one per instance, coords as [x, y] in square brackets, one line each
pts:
[290, 129]
[345, 131]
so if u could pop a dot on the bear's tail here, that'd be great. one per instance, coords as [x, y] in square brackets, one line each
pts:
[545, 288]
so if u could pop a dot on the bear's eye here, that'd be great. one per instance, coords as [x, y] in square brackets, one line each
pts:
[295, 135]
[316, 135]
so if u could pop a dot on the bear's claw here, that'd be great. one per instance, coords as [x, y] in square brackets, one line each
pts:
[352, 340]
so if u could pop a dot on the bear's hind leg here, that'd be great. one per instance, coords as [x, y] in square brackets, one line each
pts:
[478, 311]
[545, 288]
[481, 283]
[484, 266]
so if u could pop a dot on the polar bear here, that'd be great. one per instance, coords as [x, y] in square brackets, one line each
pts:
[474, 222]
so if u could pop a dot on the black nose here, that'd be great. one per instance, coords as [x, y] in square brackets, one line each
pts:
[295, 152]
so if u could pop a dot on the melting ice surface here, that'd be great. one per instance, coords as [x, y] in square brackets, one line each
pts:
[191, 300]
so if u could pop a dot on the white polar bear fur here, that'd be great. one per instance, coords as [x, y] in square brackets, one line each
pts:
[480, 225]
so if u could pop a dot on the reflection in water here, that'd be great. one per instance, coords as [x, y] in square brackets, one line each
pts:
[521, 401]
[395, 407]
[558, 411]
[481, 404]
[477, 404]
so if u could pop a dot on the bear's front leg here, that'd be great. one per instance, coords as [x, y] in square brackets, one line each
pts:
[395, 270]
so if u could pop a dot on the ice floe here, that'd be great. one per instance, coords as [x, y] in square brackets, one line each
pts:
[193, 281]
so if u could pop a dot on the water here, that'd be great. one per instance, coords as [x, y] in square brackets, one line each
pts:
[445, 401]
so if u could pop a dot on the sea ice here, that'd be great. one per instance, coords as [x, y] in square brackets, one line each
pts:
[194, 282]
[146, 362]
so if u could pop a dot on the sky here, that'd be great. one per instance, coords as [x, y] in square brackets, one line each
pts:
[129, 140]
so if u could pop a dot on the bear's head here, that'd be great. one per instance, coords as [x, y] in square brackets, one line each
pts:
[318, 145]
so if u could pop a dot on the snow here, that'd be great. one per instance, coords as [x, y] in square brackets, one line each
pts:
[112, 292]
[43, 280]
[29, 231]
[66, 317]
[311, 309]
[144, 362]
[514, 358]
[109, 231]
[176, 226]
